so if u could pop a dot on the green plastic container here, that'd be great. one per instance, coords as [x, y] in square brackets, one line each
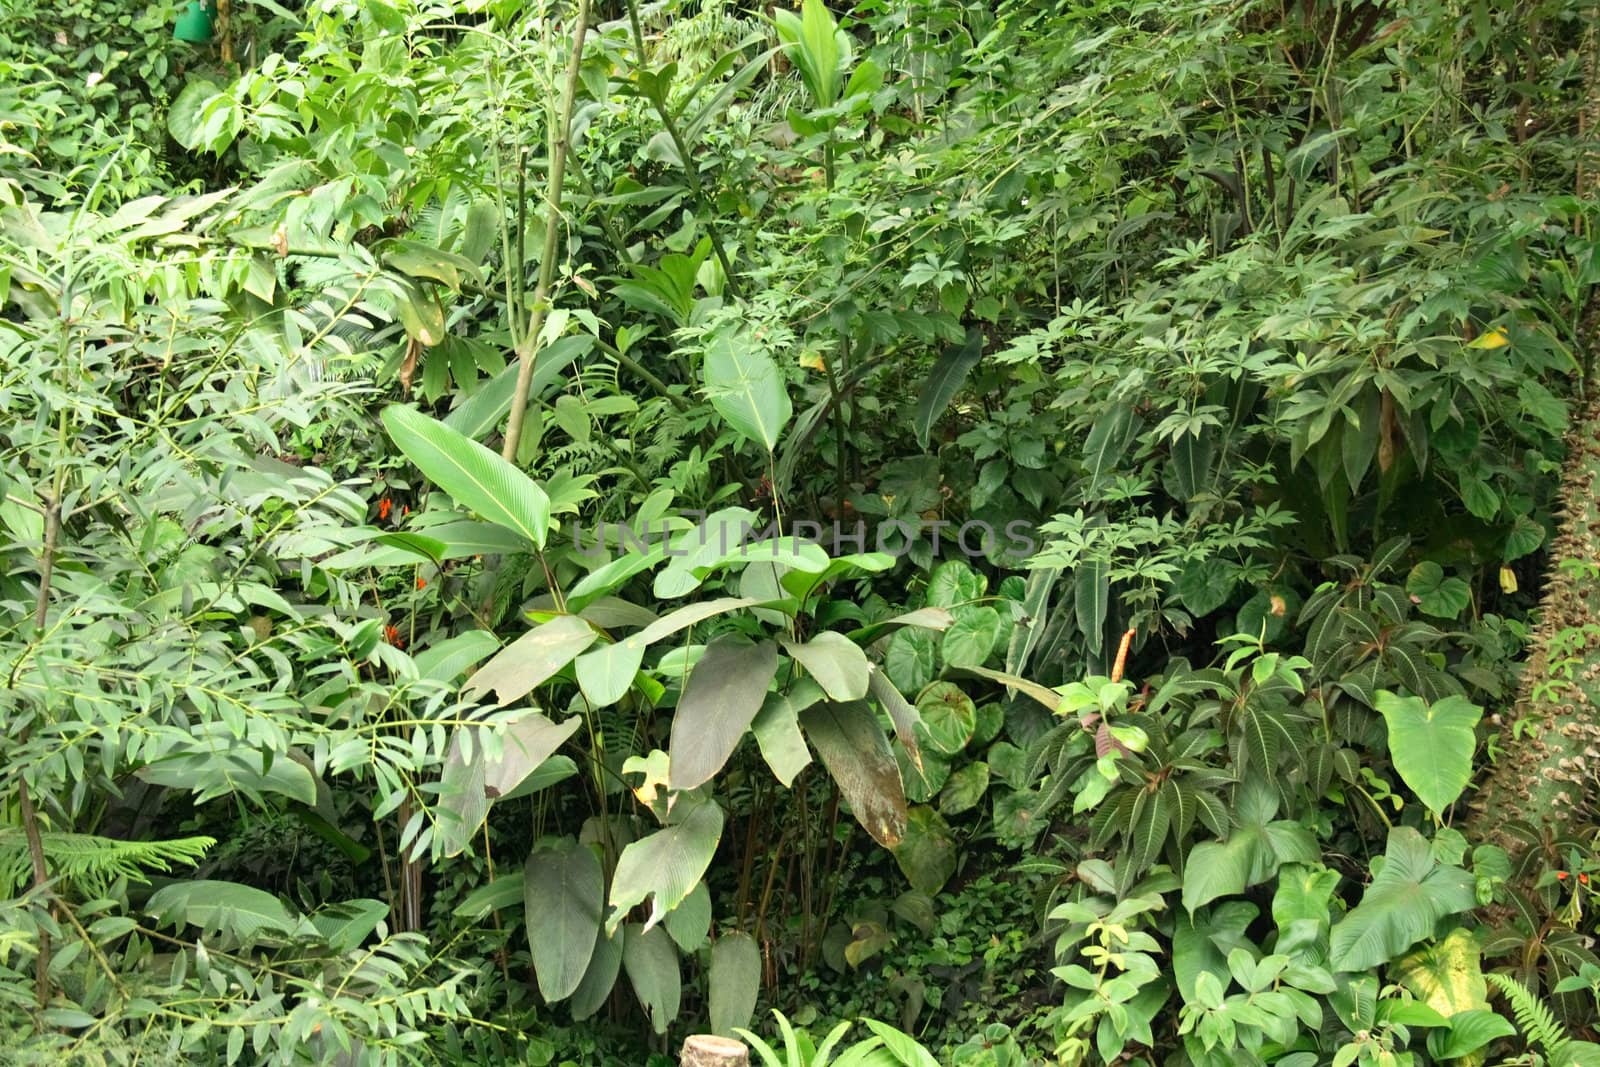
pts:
[197, 22]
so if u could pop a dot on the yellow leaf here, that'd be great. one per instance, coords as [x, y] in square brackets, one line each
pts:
[1508, 580]
[1495, 338]
[811, 359]
[1448, 975]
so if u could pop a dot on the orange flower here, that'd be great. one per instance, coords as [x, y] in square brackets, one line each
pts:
[1561, 876]
[1583, 879]
[422, 583]
[391, 634]
[383, 509]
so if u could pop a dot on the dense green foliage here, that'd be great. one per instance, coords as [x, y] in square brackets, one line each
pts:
[982, 534]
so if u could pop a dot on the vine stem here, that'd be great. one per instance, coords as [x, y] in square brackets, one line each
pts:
[528, 350]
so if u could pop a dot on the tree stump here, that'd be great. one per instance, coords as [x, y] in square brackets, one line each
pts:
[708, 1050]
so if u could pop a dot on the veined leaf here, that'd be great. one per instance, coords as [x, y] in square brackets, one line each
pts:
[735, 980]
[1431, 744]
[835, 661]
[475, 477]
[747, 389]
[668, 864]
[652, 966]
[532, 659]
[1407, 896]
[856, 752]
[564, 891]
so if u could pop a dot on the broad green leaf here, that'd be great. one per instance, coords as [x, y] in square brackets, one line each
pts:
[963, 789]
[722, 696]
[944, 382]
[909, 659]
[468, 784]
[241, 910]
[505, 891]
[735, 981]
[972, 638]
[450, 658]
[1469, 1031]
[563, 893]
[605, 674]
[747, 389]
[1431, 744]
[1252, 853]
[420, 311]
[345, 925]
[651, 962]
[835, 661]
[1407, 896]
[604, 966]
[927, 852]
[1436, 595]
[948, 716]
[209, 773]
[689, 923]
[954, 584]
[532, 659]
[476, 478]
[665, 866]
[854, 749]
[777, 730]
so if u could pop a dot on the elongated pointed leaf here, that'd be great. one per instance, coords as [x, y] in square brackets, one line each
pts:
[564, 893]
[944, 382]
[605, 674]
[856, 752]
[735, 980]
[532, 659]
[665, 866]
[777, 730]
[475, 478]
[604, 966]
[652, 965]
[722, 696]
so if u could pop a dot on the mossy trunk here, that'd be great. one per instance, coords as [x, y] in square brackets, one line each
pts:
[1550, 741]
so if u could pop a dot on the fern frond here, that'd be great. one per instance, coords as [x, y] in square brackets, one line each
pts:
[1534, 1017]
[95, 861]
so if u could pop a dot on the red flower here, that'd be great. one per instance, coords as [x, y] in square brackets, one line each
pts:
[383, 509]
[1561, 876]
[1583, 879]
[422, 583]
[391, 634]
